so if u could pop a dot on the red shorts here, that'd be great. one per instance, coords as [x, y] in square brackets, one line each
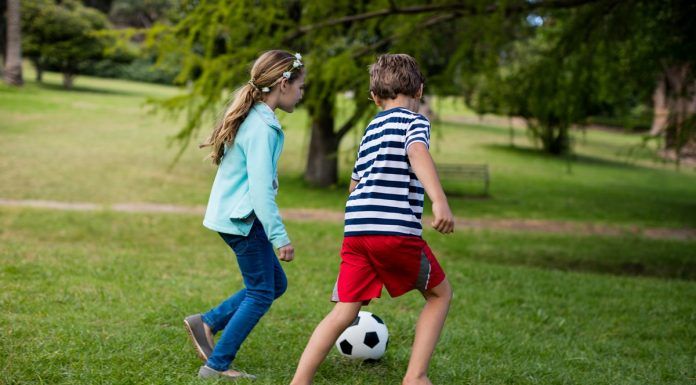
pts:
[400, 263]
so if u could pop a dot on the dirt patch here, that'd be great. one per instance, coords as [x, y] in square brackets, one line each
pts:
[320, 215]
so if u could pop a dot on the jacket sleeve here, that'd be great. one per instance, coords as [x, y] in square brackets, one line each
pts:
[261, 172]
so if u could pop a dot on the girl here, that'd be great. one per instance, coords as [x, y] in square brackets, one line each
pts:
[246, 145]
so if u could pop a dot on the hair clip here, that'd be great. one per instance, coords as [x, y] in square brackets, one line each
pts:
[298, 61]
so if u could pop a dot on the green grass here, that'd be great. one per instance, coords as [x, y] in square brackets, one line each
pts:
[98, 143]
[98, 298]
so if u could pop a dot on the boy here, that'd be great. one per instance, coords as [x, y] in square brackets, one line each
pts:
[382, 242]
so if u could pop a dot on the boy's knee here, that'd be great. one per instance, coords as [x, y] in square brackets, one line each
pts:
[344, 314]
[442, 292]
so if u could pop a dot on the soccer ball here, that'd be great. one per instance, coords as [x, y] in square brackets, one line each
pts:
[365, 339]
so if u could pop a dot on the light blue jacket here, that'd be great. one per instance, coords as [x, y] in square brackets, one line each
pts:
[246, 182]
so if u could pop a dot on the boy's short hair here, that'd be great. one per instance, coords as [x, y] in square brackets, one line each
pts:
[394, 74]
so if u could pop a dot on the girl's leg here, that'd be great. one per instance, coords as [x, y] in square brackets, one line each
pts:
[256, 260]
[218, 317]
[280, 281]
[322, 340]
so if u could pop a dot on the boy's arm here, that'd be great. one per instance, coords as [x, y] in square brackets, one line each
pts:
[424, 167]
[353, 185]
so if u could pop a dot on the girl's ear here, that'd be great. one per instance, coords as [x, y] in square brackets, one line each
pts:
[283, 85]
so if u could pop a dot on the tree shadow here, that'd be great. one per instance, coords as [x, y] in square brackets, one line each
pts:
[575, 159]
[685, 272]
[86, 89]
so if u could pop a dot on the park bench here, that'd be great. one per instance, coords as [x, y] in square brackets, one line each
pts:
[451, 172]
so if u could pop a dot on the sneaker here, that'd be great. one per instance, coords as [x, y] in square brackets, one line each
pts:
[201, 342]
[207, 372]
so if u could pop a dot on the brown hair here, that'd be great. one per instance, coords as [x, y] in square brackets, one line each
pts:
[394, 74]
[267, 71]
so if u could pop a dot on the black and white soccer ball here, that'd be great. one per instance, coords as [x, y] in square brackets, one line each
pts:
[365, 339]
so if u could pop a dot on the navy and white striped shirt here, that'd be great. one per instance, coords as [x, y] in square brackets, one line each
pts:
[388, 199]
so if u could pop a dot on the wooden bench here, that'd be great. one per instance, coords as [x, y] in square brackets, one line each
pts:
[457, 171]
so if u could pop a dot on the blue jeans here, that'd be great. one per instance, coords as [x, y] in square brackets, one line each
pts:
[265, 281]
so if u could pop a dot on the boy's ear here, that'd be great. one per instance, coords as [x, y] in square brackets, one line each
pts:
[376, 99]
[419, 95]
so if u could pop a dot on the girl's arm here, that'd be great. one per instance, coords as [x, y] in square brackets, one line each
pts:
[259, 153]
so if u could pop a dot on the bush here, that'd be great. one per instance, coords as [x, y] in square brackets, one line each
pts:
[140, 69]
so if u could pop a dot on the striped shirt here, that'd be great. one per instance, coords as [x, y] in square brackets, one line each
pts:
[388, 199]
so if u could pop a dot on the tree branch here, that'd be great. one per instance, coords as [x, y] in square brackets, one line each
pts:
[458, 7]
[357, 114]
[437, 19]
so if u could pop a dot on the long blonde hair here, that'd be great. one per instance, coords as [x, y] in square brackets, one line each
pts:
[267, 71]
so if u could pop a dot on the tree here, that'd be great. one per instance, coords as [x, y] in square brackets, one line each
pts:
[63, 37]
[13, 57]
[219, 42]
[139, 13]
[606, 57]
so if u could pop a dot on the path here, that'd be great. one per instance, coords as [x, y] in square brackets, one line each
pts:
[323, 215]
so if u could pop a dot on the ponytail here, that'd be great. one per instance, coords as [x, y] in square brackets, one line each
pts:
[225, 131]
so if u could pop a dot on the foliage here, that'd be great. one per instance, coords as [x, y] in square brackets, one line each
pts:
[62, 36]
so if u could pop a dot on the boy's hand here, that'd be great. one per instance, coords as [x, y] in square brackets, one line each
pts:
[444, 221]
[424, 167]
[286, 253]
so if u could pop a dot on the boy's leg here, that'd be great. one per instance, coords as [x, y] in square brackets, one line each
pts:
[323, 338]
[428, 328]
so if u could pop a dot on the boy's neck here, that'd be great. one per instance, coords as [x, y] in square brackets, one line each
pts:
[408, 102]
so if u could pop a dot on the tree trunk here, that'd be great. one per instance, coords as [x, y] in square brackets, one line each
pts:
[660, 111]
[13, 62]
[674, 103]
[322, 160]
[555, 140]
[68, 78]
[38, 69]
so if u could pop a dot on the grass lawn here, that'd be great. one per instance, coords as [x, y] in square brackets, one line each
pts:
[98, 298]
[98, 143]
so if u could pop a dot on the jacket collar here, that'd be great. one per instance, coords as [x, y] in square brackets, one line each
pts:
[267, 115]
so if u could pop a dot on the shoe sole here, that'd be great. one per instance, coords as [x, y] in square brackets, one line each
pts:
[199, 350]
[206, 372]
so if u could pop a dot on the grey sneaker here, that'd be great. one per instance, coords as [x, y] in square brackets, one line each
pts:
[196, 330]
[206, 372]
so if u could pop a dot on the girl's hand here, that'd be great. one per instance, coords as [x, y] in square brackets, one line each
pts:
[286, 253]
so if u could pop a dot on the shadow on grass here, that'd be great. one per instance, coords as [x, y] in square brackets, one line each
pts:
[686, 272]
[662, 266]
[86, 89]
[575, 159]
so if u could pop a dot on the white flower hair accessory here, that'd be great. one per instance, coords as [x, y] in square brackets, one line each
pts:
[265, 89]
[298, 61]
